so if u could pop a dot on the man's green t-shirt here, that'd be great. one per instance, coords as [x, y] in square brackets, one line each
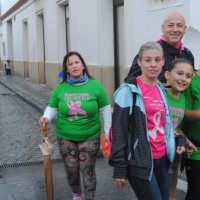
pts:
[78, 109]
[192, 128]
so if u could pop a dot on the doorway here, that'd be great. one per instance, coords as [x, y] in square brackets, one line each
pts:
[118, 9]
[25, 49]
[41, 47]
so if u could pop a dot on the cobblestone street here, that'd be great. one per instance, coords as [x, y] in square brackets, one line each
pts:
[20, 130]
[21, 167]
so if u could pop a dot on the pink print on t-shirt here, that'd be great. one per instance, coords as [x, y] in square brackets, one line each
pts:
[75, 108]
[157, 127]
[155, 109]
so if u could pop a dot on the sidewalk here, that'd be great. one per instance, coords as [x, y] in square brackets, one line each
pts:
[34, 94]
[27, 182]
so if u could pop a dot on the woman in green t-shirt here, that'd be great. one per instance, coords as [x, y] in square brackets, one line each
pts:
[179, 76]
[79, 101]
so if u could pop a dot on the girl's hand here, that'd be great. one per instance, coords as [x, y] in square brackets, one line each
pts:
[180, 150]
[190, 147]
[120, 182]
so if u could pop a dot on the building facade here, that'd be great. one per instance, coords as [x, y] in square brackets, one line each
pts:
[36, 34]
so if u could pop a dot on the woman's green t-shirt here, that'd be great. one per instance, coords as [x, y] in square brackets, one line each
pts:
[78, 109]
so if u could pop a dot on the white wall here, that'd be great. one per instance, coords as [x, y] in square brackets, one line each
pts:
[50, 26]
[91, 28]
[192, 41]
[83, 23]
[50, 31]
[194, 14]
[192, 37]
[144, 20]
[91, 31]
[143, 23]
[61, 33]
[105, 37]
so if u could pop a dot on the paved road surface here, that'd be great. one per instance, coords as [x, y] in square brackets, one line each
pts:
[20, 135]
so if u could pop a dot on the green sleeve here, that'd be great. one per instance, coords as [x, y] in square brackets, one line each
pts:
[53, 102]
[102, 97]
[188, 98]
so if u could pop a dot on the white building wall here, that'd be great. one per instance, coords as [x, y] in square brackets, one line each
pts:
[17, 20]
[50, 30]
[61, 32]
[83, 26]
[144, 20]
[4, 41]
[105, 37]
[26, 14]
[194, 14]
[50, 26]
[192, 37]
[91, 28]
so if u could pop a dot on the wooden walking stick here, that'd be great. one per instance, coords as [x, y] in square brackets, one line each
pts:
[47, 148]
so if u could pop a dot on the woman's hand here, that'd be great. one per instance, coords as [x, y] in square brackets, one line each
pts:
[43, 118]
[105, 146]
[120, 182]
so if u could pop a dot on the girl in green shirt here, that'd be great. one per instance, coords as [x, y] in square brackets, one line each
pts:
[179, 76]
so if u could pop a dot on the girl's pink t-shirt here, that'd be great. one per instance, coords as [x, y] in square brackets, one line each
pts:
[155, 113]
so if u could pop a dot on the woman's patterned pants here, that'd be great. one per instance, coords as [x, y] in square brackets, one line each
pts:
[80, 157]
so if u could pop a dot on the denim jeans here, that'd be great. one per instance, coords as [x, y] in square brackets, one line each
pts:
[158, 187]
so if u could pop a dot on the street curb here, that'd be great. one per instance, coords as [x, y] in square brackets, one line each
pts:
[181, 185]
[23, 97]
